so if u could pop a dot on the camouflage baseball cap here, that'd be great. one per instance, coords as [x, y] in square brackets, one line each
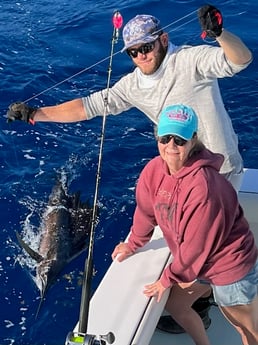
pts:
[143, 28]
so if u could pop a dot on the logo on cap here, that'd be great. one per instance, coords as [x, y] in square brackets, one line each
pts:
[178, 115]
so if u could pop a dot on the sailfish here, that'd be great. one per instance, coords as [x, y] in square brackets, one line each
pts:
[65, 230]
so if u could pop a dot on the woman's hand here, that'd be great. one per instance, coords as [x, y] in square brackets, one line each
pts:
[155, 289]
[121, 251]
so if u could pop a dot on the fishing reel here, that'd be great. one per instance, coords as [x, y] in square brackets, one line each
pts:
[74, 338]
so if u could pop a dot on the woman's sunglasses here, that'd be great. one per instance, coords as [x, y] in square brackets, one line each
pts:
[165, 139]
[143, 49]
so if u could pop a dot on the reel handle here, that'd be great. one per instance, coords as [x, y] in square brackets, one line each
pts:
[74, 338]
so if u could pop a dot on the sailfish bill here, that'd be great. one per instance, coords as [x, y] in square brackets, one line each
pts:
[64, 231]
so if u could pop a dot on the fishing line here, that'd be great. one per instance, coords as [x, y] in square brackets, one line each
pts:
[103, 60]
[179, 26]
[110, 57]
[69, 78]
[178, 20]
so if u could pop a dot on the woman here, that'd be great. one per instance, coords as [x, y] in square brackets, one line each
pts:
[198, 212]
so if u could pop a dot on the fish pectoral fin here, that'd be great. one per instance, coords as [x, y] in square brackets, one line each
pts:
[32, 253]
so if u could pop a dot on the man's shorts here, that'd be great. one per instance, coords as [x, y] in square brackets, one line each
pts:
[239, 293]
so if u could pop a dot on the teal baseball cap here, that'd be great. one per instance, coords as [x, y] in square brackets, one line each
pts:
[179, 120]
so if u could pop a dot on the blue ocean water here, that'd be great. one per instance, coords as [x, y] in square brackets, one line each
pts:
[43, 44]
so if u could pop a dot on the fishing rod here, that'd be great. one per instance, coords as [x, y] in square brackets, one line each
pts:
[81, 336]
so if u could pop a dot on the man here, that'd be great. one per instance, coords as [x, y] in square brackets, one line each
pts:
[166, 74]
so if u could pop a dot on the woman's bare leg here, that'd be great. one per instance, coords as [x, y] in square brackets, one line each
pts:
[179, 305]
[245, 319]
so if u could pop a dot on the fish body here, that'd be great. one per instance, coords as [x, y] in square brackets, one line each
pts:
[65, 230]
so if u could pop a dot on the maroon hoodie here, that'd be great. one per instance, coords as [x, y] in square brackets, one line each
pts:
[198, 212]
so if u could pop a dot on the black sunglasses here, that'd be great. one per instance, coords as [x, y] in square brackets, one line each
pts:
[165, 139]
[143, 49]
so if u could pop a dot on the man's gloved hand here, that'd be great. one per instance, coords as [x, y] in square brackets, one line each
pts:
[211, 21]
[21, 111]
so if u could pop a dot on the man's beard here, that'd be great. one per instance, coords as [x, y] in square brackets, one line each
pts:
[162, 51]
[161, 55]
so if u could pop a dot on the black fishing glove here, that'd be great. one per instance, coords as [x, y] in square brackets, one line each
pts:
[20, 111]
[211, 21]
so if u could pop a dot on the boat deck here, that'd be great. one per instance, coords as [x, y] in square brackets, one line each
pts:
[220, 332]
